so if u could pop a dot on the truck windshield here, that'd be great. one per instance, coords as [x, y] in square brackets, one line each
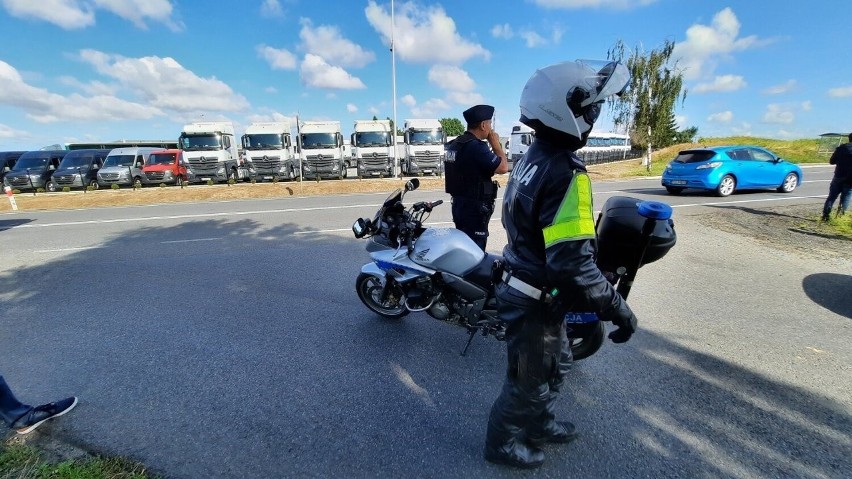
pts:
[118, 160]
[372, 138]
[200, 142]
[311, 141]
[76, 161]
[264, 141]
[162, 158]
[425, 137]
[32, 163]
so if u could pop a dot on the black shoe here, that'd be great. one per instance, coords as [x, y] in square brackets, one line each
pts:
[515, 454]
[560, 432]
[39, 414]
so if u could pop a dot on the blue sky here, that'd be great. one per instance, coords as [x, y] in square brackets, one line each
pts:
[83, 70]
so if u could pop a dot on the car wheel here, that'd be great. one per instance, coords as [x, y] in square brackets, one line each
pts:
[726, 186]
[94, 184]
[51, 186]
[179, 181]
[791, 181]
[675, 190]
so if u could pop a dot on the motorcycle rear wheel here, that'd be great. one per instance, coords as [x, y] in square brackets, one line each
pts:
[583, 347]
[369, 289]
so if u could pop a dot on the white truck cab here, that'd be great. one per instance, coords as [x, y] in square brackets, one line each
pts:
[373, 147]
[268, 151]
[210, 151]
[321, 147]
[519, 141]
[424, 147]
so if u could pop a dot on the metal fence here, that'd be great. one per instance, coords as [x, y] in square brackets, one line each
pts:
[596, 157]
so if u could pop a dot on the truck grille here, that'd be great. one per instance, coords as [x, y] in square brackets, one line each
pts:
[155, 175]
[109, 176]
[270, 164]
[200, 166]
[324, 163]
[375, 160]
[426, 159]
[19, 181]
[63, 179]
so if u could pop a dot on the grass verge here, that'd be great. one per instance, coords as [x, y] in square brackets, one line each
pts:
[26, 462]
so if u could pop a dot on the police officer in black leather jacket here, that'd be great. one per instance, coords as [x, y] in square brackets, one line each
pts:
[468, 168]
[549, 258]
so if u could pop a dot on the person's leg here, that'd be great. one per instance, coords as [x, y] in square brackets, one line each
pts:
[833, 192]
[10, 408]
[468, 219]
[845, 196]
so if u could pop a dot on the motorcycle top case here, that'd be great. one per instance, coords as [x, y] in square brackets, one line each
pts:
[447, 249]
[620, 235]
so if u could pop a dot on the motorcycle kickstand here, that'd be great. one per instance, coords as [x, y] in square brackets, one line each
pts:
[469, 340]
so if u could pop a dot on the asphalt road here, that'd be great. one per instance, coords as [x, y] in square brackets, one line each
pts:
[226, 340]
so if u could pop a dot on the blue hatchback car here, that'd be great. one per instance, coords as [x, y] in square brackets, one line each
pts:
[724, 169]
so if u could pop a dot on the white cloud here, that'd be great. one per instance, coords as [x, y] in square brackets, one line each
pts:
[278, 58]
[373, 110]
[9, 132]
[408, 101]
[45, 107]
[782, 88]
[721, 117]
[680, 121]
[270, 89]
[502, 31]
[273, 116]
[705, 45]
[840, 92]
[317, 73]
[575, 4]
[165, 83]
[271, 8]
[533, 39]
[74, 14]
[468, 98]
[450, 77]
[806, 105]
[92, 88]
[351, 107]
[723, 83]
[430, 109]
[776, 113]
[325, 41]
[423, 34]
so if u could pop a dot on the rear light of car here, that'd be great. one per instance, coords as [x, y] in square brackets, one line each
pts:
[712, 164]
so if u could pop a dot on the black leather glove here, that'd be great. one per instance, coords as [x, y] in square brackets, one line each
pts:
[626, 328]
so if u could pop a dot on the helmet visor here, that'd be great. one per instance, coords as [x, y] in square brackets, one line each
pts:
[604, 79]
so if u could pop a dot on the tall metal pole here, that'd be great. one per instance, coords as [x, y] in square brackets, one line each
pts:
[393, 88]
[650, 117]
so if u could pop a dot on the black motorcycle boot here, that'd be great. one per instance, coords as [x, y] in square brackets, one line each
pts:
[504, 425]
[558, 432]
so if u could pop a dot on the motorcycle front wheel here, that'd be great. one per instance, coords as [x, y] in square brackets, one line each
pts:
[588, 342]
[369, 288]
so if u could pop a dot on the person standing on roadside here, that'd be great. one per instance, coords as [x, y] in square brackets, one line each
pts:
[841, 183]
[549, 261]
[25, 418]
[468, 168]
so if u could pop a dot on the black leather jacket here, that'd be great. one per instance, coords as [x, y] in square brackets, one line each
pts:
[533, 197]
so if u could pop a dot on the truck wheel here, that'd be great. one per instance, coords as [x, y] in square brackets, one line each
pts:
[179, 181]
[51, 186]
[94, 184]
[345, 172]
[291, 174]
[233, 175]
[137, 182]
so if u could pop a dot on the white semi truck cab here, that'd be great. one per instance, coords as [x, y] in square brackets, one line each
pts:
[373, 147]
[424, 147]
[520, 140]
[321, 145]
[210, 151]
[268, 150]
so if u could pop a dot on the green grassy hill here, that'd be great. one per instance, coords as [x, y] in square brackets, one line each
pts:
[796, 151]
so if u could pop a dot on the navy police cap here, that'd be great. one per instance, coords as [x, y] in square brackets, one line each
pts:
[478, 113]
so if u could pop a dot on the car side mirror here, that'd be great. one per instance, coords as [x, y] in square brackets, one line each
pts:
[412, 184]
[96, 166]
[51, 167]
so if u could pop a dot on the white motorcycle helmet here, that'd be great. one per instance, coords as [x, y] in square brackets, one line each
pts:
[567, 97]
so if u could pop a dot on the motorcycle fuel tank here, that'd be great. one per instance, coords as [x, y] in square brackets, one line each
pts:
[446, 249]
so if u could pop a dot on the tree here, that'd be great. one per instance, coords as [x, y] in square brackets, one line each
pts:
[452, 126]
[648, 104]
[398, 131]
[687, 135]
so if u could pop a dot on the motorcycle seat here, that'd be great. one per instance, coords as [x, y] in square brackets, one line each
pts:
[481, 273]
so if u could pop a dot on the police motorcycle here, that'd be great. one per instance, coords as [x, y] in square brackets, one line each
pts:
[442, 272]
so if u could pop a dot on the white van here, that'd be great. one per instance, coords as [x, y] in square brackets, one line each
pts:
[123, 166]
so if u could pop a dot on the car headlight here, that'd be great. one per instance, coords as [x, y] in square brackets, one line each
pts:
[221, 170]
[168, 174]
[711, 165]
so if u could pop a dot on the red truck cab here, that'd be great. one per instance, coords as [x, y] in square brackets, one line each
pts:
[165, 166]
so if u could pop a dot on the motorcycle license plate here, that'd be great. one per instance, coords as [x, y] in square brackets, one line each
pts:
[580, 318]
[678, 182]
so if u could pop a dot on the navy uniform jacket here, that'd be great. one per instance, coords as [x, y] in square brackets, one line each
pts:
[469, 166]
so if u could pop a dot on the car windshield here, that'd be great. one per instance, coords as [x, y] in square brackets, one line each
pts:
[372, 138]
[264, 141]
[119, 160]
[695, 156]
[76, 161]
[200, 142]
[318, 140]
[162, 158]
[32, 163]
[425, 137]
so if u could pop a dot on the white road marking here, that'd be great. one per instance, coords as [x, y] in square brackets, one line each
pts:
[62, 250]
[190, 240]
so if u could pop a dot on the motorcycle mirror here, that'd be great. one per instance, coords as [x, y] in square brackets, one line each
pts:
[412, 184]
[359, 228]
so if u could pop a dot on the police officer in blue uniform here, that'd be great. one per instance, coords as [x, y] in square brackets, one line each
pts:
[468, 168]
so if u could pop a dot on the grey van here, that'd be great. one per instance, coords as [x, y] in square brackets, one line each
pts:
[78, 169]
[34, 169]
[7, 161]
[123, 166]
